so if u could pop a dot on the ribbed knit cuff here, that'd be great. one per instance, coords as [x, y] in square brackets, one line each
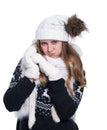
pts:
[57, 86]
[26, 86]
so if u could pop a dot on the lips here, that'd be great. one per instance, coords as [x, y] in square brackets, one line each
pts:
[51, 54]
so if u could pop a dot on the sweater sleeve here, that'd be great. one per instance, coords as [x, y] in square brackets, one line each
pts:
[64, 104]
[19, 89]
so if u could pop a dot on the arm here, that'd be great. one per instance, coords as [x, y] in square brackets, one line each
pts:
[19, 89]
[64, 104]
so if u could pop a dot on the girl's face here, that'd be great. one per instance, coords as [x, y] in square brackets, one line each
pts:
[51, 48]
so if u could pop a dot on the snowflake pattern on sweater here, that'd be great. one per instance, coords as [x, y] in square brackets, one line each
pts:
[43, 102]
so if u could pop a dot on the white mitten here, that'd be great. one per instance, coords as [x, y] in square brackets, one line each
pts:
[47, 68]
[31, 69]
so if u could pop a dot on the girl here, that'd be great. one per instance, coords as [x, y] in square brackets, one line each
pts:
[48, 82]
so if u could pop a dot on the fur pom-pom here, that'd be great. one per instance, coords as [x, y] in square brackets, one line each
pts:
[75, 26]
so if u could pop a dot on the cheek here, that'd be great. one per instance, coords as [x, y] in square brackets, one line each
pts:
[60, 49]
[44, 49]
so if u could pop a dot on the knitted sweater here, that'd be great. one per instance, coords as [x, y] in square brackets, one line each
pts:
[55, 93]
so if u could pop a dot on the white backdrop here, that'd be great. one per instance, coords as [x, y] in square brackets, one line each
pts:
[18, 21]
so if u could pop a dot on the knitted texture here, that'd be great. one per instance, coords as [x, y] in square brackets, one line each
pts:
[53, 28]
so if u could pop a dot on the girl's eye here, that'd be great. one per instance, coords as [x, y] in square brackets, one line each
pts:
[54, 42]
[43, 43]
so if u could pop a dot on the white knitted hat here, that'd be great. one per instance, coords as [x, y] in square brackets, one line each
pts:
[60, 27]
[53, 28]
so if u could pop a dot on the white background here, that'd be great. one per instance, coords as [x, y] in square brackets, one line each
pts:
[18, 21]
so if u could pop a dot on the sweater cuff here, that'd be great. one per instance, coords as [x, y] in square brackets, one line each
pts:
[26, 85]
[57, 86]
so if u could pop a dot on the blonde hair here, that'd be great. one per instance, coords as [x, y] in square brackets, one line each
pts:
[70, 57]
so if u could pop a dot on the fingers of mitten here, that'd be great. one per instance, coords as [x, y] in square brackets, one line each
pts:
[32, 73]
[27, 56]
[47, 68]
[51, 71]
[30, 51]
[55, 75]
[27, 62]
[38, 58]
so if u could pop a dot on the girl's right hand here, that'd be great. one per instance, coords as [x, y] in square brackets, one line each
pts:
[31, 69]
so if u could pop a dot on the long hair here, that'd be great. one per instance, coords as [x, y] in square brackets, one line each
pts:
[73, 64]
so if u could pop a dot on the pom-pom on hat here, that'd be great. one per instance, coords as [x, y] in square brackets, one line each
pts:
[60, 27]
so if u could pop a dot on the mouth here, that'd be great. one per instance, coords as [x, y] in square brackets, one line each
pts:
[51, 54]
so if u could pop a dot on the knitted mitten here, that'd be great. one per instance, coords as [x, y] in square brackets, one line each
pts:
[31, 69]
[47, 68]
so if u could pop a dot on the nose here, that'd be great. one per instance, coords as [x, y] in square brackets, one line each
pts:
[49, 47]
